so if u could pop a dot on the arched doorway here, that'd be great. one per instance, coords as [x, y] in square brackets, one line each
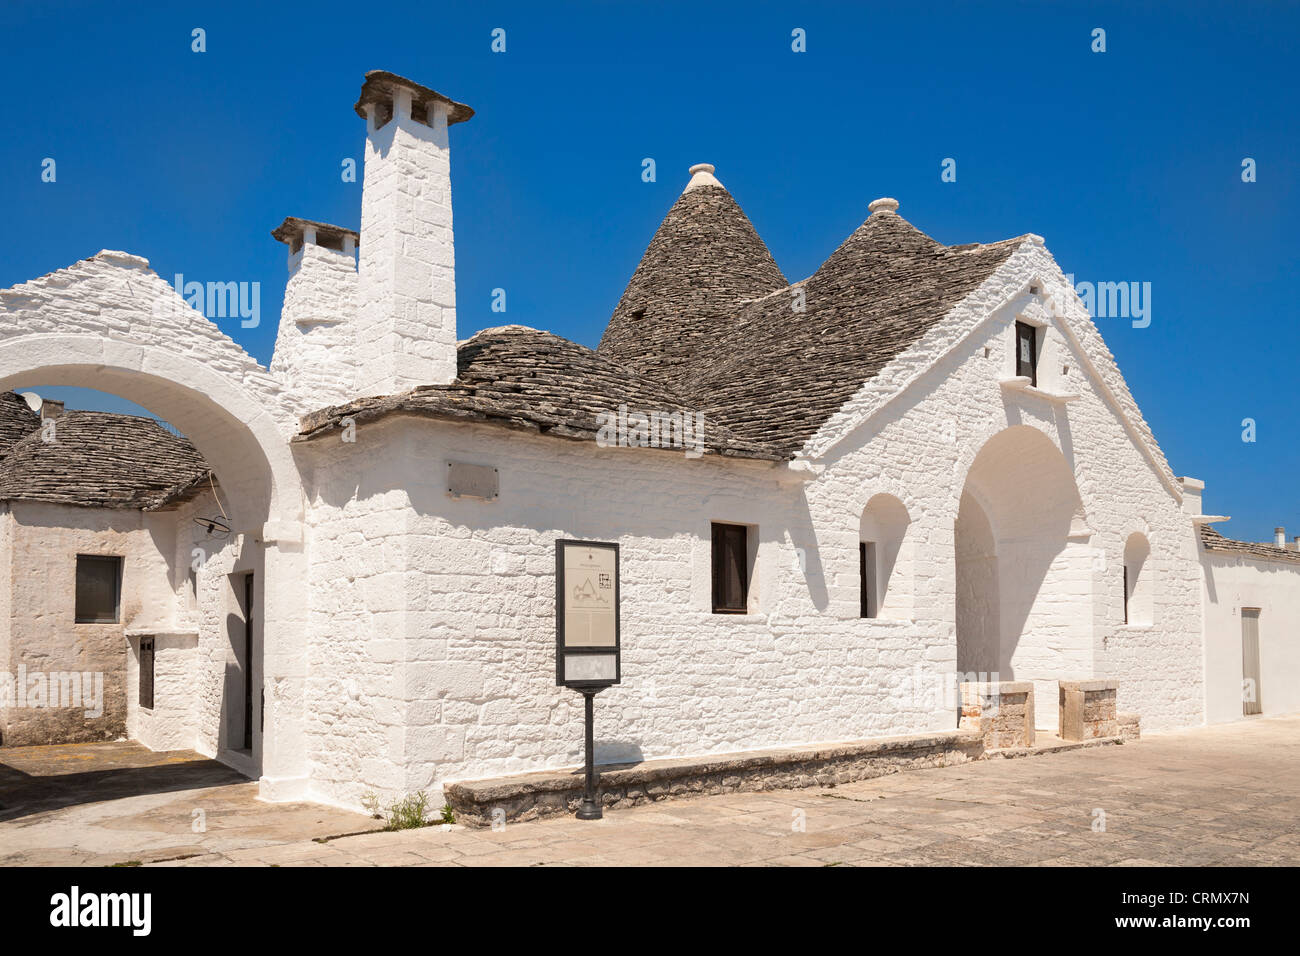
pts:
[110, 324]
[1023, 569]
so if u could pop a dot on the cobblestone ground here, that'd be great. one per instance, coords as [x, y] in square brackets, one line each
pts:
[1225, 795]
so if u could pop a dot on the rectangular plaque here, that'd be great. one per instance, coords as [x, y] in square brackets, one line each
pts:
[472, 481]
[586, 612]
[590, 668]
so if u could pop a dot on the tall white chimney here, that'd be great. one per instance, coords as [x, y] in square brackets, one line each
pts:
[1279, 537]
[406, 322]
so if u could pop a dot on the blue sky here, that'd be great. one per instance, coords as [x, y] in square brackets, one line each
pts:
[1128, 162]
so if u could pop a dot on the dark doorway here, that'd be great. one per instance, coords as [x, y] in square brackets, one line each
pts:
[248, 661]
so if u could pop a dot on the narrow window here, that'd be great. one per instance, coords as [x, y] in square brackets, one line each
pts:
[867, 577]
[1126, 594]
[146, 672]
[1027, 352]
[730, 568]
[99, 589]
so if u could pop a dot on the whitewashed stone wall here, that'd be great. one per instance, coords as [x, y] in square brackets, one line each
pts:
[433, 617]
[922, 449]
[315, 346]
[1231, 583]
[45, 540]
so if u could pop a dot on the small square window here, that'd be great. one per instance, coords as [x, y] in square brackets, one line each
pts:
[1027, 352]
[730, 569]
[99, 589]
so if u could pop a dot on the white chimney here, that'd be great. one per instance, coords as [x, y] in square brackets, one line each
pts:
[406, 321]
[1279, 537]
[314, 350]
[1193, 489]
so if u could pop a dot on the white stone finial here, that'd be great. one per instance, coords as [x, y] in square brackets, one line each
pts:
[701, 175]
[884, 204]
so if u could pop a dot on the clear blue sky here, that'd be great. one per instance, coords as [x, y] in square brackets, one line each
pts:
[1128, 162]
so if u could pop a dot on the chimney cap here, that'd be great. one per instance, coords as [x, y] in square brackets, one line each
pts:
[380, 85]
[702, 175]
[291, 230]
[883, 204]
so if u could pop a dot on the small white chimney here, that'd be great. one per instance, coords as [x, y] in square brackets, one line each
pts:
[1193, 489]
[1279, 537]
[406, 321]
[314, 354]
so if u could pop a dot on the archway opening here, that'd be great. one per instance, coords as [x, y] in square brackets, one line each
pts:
[1023, 569]
[181, 643]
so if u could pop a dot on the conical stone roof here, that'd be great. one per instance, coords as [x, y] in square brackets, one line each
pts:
[705, 260]
[787, 371]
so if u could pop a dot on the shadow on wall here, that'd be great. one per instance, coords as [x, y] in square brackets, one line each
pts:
[1018, 509]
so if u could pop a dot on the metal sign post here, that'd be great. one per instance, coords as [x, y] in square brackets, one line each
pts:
[587, 645]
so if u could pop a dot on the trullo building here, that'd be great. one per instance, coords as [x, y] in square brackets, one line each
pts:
[836, 499]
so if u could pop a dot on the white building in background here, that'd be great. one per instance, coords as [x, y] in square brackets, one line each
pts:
[920, 462]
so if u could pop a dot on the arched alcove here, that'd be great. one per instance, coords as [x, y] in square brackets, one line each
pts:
[1023, 568]
[886, 559]
[1138, 580]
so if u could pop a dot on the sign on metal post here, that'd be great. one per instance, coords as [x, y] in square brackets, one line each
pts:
[586, 614]
[587, 656]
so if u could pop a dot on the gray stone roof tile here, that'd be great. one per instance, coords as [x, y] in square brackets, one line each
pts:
[784, 373]
[100, 459]
[1211, 540]
[535, 381]
[17, 420]
[683, 301]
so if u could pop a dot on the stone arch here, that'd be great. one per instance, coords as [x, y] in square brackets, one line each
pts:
[1023, 567]
[109, 323]
[236, 435]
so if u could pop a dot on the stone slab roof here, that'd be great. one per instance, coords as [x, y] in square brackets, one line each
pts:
[100, 459]
[1211, 540]
[291, 230]
[682, 302]
[535, 381]
[784, 373]
[708, 323]
[379, 85]
[17, 420]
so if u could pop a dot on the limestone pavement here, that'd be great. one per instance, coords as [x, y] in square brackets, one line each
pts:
[1221, 795]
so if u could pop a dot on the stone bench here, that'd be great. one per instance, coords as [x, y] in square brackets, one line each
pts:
[1001, 711]
[1088, 709]
[532, 795]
